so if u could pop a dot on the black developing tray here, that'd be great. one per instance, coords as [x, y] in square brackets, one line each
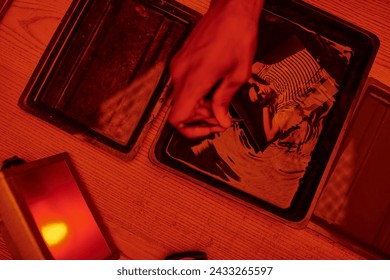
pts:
[316, 64]
[4, 5]
[104, 74]
[354, 208]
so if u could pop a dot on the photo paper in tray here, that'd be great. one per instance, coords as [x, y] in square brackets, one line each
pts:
[306, 76]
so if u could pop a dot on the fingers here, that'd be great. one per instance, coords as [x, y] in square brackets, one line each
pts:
[199, 131]
[189, 105]
[194, 116]
[224, 94]
[200, 123]
[194, 77]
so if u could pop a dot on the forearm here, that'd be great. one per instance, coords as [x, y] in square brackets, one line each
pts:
[266, 122]
[270, 127]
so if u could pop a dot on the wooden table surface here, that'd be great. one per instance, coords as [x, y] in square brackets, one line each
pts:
[151, 213]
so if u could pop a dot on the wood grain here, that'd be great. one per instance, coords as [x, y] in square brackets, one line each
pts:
[149, 212]
[372, 16]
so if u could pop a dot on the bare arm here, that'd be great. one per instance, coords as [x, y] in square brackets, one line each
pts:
[271, 128]
[219, 51]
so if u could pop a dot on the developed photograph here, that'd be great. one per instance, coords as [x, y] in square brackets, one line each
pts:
[279, 115]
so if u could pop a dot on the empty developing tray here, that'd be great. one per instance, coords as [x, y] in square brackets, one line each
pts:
[354, 206]
[313, 66]
[104, 73]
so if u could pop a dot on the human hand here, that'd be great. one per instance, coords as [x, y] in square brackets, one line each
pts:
[217, 55]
